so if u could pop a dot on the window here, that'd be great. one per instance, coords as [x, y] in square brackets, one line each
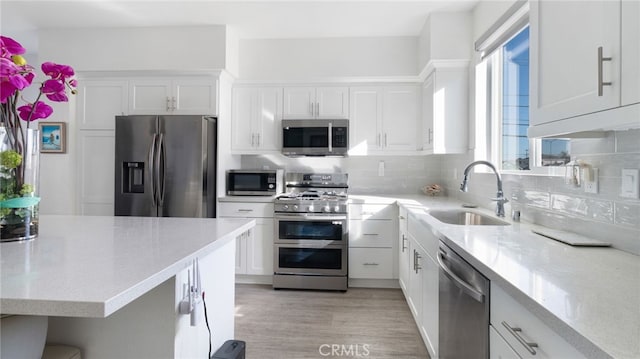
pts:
[502, 102]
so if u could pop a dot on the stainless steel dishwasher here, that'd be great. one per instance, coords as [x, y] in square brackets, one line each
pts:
[463, 308]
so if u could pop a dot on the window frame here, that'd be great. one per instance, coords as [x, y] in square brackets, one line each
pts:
[488, 105]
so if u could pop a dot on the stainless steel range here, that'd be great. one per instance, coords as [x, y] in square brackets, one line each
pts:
[311, 232]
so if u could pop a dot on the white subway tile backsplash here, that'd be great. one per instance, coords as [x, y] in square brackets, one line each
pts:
[628, 141]
[597, 210]
[627, 214]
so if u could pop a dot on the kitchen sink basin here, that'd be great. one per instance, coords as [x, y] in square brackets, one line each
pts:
[466, 218]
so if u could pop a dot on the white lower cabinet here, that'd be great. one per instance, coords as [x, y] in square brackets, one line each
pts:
[96, 172]
[254, 248]
[524, 332]
[422, 292]
[372, 241]
[498, 347]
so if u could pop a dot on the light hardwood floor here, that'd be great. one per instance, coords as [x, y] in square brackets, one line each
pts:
[296, 324]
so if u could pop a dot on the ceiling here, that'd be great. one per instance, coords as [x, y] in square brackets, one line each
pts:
[251, 19]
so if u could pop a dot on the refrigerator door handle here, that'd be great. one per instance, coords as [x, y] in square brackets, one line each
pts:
[152, 175]
[160, 159]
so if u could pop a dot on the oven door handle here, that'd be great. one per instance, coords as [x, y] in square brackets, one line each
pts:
[306, 217]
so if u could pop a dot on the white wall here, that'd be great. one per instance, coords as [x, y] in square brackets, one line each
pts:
[139, 48]
[312, 59]
[445, 36]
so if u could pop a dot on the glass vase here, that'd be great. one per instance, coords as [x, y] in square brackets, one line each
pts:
[19, 189]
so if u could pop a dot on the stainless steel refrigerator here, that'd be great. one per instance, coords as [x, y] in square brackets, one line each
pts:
[165, 166]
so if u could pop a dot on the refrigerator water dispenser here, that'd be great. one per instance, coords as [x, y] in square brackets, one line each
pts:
[133, 177]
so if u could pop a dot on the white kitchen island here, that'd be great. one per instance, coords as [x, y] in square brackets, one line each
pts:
[111, 285]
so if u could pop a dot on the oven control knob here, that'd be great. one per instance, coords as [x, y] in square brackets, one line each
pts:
[326, 209]
[310, 208]
[295, 207]
[285, 207]
[336, 209]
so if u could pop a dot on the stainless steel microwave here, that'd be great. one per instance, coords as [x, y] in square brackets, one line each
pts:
[315, 137]
[255, 182]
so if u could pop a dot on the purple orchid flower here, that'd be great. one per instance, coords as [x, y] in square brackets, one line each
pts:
[9, 46]
[54, 90]
[57, 71]
[42, 110]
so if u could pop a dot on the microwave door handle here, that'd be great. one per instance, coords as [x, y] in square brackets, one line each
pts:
[330, 137]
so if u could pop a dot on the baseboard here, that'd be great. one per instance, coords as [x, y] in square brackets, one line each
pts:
[254, 279]
[373, 283]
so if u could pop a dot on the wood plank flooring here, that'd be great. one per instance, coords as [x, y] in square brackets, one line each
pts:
[296, 324]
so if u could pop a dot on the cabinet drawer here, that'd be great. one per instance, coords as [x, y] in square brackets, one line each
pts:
[373, 211]
[371, 233]
[371, 263]
[246, 209]
[498, 347]
[506, 311]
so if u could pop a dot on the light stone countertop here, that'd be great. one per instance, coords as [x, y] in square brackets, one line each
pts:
[91, 266]
[589, 296]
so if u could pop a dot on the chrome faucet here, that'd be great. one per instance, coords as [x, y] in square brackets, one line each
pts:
[500, 199]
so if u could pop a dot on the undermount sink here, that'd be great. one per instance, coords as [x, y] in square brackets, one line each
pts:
[466, 218]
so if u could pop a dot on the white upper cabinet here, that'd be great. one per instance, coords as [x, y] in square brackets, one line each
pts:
[173, 96]
[583, 68]
[100, 101]
[383, 119]
[316, 102]
[445, 111]
[256, 119]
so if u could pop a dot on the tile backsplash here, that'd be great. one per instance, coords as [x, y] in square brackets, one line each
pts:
[548, 201]
[545, 200]
[402, 174]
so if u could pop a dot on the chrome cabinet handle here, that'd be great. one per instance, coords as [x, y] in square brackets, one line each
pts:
[401, 217]
[174, 102]
[371, 264]
[253, 140]
[258, 139]
[516, 333]
[464, 286]
[418, 267]
[370, 234]
[168, 104]
[414, 260]
[404, 239]
[378, 141]
[430, 135]
[601, 82]
[312, 109]
[317, 109]
[385, 140]
[245, 210]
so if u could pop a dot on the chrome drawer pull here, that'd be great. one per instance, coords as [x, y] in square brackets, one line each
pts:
[516, 333]
[245, 210]
[371, 264]
[370, 234]
[601, 82]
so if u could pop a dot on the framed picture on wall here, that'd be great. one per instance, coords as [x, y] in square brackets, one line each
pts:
[53, 137]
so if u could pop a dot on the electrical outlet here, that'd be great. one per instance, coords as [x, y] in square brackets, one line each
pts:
[629, 186]
[591, 185]
[455, 173]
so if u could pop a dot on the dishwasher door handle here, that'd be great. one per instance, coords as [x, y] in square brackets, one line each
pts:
[464, 286]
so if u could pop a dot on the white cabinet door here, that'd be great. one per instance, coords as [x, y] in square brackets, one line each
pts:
[269, 119]
[299, 102]
[498, 347]
[365, 119]
[150, 96]
[630, 52]
[415, 281]
[430, 291]
[259, 254]
[404, 258]
[564, 59]
[332, 102]
[180, 96]
[99, 101]
[194, 96]
[96, 172]
[243, 117]
[311, 102]
[399, 115]
[445, 111]
[256, 120]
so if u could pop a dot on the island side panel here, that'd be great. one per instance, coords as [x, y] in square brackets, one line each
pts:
[145, 328]
[217, 272]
